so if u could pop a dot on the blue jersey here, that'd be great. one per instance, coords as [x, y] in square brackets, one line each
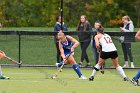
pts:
[67, 46]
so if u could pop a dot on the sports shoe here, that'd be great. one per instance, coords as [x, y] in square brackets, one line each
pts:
[56, 64]
[80, 64]
[135, 82]
[91, 78]
[102, 71]
[4, 77]
[83, 78]
[132, 66]
[125, 66]
[125, 79]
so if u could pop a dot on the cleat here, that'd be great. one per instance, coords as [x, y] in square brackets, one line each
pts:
[82, 78]
[80, 64]
[57, 64]
[135, 82]
[125, 66]
[4, 77]
[102, 71]
[91, 78]
[125, 79]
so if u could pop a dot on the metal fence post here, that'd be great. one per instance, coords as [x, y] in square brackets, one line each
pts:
[19, 47]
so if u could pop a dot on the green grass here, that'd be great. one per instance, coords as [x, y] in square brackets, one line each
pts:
[36, 80]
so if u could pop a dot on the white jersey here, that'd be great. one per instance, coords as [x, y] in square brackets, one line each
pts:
[106, 43]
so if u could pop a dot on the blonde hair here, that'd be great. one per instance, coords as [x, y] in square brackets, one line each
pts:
[126, 18]
[61, 33]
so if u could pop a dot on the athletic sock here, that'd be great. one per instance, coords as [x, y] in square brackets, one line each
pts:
[96, 68]
[137, 76]
[120, 70]
[0, 71]
[77, 69]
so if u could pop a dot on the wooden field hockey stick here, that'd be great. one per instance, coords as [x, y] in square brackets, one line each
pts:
[59, 70]
[14, 61]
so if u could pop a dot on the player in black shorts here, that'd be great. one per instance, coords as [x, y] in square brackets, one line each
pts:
[108, 50]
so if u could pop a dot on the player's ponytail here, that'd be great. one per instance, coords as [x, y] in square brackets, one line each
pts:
[101, 30]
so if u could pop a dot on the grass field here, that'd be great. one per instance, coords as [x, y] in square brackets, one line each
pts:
[36, 80]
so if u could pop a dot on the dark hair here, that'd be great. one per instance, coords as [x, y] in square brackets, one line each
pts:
[101, 30]
[57, 17]
[99, 23]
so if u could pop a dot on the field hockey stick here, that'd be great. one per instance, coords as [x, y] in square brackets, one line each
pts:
[14, 61]
[59, 70]
[102, 69]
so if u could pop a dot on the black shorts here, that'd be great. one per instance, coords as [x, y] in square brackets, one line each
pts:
[106, 55]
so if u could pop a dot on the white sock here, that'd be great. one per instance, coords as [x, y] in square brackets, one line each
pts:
[126, 62]
[0, 71]
[132, 63]
[120, 70]
[94, 71]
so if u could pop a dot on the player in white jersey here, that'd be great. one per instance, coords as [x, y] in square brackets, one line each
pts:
[107, 49]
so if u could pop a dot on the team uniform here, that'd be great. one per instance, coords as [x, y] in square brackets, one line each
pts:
[67, 50]
[67, 47]
[108, 50]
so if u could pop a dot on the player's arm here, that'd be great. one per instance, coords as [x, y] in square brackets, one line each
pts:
[76, 43]
[61, 51]
[2, 54]
[97, 43]
[137, 36]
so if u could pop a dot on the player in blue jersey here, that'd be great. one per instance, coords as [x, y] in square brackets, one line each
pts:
[67, 44]
[137, 76]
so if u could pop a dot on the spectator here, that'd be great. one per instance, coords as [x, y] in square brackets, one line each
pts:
[57, 28]
[84, 38]
[97, 25]
[126, 46]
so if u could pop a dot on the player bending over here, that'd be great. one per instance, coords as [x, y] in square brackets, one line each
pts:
[67, 44]
[137, 76]
[2, 55]
[108, 50]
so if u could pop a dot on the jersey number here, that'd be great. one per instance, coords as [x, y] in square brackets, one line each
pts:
[108, 40]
